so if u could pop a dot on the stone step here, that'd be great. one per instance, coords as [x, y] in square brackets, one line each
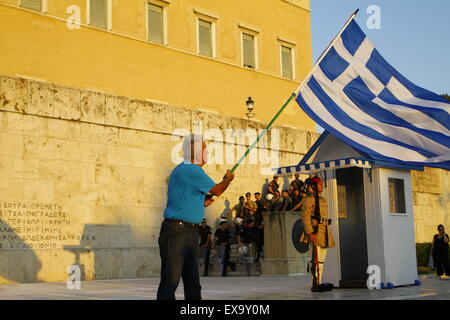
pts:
[239, 267]
[234, 274]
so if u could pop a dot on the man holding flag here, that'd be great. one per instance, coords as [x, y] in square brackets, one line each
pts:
[179, 236]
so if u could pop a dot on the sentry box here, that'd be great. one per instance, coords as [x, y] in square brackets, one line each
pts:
[370, 204]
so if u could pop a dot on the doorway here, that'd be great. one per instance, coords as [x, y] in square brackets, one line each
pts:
[352, 228]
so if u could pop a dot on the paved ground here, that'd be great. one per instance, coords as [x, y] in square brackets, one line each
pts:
[218, 288]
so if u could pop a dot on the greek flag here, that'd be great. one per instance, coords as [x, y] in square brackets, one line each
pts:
[357, 96]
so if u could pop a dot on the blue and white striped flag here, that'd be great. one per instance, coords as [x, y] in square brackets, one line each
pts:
[361, 99]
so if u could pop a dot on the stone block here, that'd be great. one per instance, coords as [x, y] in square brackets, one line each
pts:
[12, 122]
[12, 189]
[109, 264]
[135, 216]
[427, 181]
[143, 262]
[107, 174]
[211, 122]
[99, 218]
[14, 94]
[105, 194]
[93, 107]
[141, 114]
[96, 153]
[136, 138]
[67, 103]
[41, 99]
[117, 111]
[133, 196]
[85, 194]
[162, 118]
[181, 119]
[11, 144]
[58, 129]
[131, 176]
[25, 169]
[283, 266]
[39, 190]
[5, 166]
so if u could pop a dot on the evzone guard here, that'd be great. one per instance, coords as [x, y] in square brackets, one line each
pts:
[314, 215]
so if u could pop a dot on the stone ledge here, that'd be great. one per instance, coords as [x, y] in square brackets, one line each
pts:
[37, 98]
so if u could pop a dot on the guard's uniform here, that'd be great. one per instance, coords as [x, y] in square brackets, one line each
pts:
[319, 226]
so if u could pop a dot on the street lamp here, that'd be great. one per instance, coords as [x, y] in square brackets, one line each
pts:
[250, 106]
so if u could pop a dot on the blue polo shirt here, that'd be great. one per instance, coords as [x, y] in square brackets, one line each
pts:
[188, 184]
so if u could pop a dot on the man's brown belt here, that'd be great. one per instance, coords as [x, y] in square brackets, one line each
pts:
[180, 222]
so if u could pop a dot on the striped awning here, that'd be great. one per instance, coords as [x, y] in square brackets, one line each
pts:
[322, 166]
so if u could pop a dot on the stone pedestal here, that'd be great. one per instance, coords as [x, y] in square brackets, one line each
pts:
[280, 256]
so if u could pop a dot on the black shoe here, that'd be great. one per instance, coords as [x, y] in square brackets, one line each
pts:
[326, 287]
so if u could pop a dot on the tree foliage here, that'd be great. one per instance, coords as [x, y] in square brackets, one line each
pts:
[445, 96]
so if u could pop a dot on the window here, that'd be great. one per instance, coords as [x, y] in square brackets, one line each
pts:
[98, 13]
[248, 51]
[286, 62]
[32, 4]
[397, 196]
[155, 23]
[205, 38]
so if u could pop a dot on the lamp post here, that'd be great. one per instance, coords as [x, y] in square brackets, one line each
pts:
[250, 106]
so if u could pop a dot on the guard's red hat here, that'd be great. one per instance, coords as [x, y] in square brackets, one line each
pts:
[316, 180]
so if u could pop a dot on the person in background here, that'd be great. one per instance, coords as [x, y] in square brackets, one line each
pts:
[273, 186]
[274, 203]
[286, 202]
[258, 217]
[239, 209]
[247, 241]
[222, 242]
[205, 245]
[250, 206]
[439, 251]
[296, 183]
[309, 179]
[238, 218]
[296, 200]
[259, 224]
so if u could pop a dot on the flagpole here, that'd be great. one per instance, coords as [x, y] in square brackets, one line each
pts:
[263, 132]
[293, 95]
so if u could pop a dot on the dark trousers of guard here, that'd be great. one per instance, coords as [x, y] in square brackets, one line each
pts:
[441, 262]
[178, 248]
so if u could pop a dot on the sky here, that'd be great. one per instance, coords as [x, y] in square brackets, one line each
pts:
[414, 36]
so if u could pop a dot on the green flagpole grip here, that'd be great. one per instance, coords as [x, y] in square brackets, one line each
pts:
[264, 131]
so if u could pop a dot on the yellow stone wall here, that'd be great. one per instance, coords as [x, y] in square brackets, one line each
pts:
[431, 202]
[39, 45]
[78, 164]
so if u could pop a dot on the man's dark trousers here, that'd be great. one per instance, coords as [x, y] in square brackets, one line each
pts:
[178, 248]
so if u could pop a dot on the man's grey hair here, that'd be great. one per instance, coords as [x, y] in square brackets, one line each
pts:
[192, 145]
